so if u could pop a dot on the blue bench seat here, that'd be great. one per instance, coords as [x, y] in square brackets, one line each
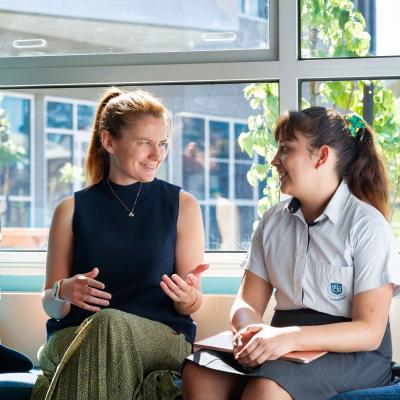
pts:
[18, 386]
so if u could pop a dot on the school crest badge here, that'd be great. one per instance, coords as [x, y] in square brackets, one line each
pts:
[336, 288]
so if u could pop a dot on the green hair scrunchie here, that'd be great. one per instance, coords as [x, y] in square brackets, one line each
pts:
[355, 124]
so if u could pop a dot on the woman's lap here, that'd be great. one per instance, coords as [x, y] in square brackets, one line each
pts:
[113, 350]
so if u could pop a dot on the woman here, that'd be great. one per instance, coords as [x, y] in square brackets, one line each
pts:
[331, 257]
[121, 275]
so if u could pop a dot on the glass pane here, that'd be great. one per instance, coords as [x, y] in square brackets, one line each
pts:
[85, 117]
[219, 139]
[255, 8]
[18, 214]
[60, 178]
[59, 115]
[378, 102]
[239, 153]
[15, 136]
[214, 239]
[247, 218]
[193, 156]
[202, 159]
[356, 28]
[243, 189]
[219, 180]
[106, 27]
[84, 147]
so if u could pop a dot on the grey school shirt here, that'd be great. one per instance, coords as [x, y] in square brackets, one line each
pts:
[348, 249]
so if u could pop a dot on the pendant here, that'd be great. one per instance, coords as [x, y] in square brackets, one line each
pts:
[131, 215]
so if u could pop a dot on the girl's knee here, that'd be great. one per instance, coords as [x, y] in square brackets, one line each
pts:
[190, 371]
[266, 389]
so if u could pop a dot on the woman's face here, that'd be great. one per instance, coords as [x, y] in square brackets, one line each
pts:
[138, 154]
[296, 166]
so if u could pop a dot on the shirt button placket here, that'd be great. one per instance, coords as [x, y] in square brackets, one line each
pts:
[300, 261]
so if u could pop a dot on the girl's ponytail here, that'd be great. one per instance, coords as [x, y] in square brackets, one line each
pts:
[366, 175]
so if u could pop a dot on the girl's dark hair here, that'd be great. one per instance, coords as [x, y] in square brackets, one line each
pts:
[357, 158]
[117, 110]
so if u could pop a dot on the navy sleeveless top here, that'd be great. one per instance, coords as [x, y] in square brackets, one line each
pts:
[132, 254]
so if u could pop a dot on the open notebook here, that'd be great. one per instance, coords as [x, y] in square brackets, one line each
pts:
[223, 342]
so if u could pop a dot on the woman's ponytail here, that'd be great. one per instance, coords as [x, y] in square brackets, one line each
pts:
[97, 162]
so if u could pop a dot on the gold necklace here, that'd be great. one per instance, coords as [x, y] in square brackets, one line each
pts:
[130, 211]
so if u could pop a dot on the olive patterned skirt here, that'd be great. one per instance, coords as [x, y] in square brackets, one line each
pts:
[112, 356]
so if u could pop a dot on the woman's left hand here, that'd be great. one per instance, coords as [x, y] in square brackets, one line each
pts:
[268, 343]
[183, 290]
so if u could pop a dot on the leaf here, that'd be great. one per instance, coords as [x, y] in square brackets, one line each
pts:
[261, 171]
[245, 141]
[343, 18]
[251, 177]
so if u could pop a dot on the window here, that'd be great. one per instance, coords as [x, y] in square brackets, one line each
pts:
[205, 158]
[201, 81]
[214, 168]
[68, 127]
[16, 153]
[109, 27]
[350, 28]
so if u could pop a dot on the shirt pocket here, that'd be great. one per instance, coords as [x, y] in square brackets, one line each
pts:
[334, 283]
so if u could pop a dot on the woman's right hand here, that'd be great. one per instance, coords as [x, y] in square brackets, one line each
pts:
[84, 291]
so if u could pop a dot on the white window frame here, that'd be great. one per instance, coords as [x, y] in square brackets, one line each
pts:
[201, 67]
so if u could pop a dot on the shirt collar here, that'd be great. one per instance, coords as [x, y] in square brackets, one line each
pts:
[332, 210]
[336, 203]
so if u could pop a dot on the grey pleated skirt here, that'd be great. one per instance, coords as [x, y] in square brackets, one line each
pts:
[321, 379]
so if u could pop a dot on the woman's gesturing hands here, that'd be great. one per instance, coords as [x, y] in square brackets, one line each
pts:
[183, 290]
[257, 343]
[83, 291]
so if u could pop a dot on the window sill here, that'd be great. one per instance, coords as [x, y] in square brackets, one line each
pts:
[23, 271]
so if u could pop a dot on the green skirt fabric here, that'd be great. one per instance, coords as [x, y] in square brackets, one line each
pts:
[112, 356]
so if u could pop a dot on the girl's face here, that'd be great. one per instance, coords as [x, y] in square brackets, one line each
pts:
[296, 166]
[138, 154]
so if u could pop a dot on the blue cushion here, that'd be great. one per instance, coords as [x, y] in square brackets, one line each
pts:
[18, 385]
[391, 392]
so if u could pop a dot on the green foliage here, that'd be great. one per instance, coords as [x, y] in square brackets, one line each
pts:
[259, 142]
[333, 28]
[70, 173]
[330, 28]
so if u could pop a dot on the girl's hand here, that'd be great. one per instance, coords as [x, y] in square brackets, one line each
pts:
[83, 290]
[258, 343]
[183, 290]
[244, 335]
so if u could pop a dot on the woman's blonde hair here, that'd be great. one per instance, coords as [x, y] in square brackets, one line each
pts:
[117, 110]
